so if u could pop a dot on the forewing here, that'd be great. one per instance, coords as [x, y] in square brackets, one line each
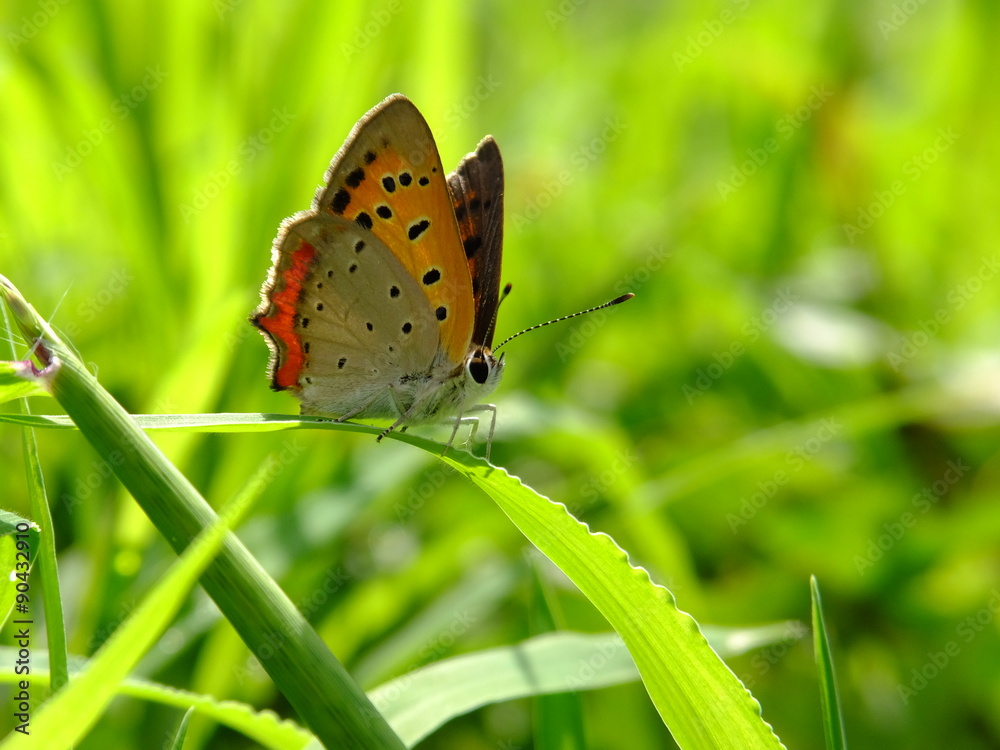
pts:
[388, 179]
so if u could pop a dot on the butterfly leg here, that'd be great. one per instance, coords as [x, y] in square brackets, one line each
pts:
[458, 421]
[393, 426]
[405, 413]
[354, 412]
[493, 423]
[474, 421]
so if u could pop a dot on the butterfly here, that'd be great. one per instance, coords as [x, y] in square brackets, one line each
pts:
[382, 298]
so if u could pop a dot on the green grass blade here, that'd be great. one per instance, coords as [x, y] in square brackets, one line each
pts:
[11, 527]
[557, 718]
[700, 700]
[420, 701]
[263, 727]
[833, 719]
[303, 669]
[17, 380]
[44, 554]
[417, 703]
[224, 422]
[45, 421]
[181, 733]
[698, 697]
[8, 587]
[93, 689]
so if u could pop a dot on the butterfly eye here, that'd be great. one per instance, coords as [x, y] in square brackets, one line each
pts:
[479, 369]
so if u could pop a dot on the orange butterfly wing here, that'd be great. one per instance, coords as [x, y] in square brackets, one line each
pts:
[388, 178]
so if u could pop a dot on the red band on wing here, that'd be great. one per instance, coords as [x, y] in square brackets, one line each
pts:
[281, 322]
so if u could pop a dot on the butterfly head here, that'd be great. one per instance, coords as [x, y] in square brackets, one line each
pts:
[483, 370]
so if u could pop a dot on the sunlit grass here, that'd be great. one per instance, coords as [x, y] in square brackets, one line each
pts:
[148, 154]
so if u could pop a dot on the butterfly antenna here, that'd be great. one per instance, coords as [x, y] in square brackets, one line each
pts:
[496, 311]
[615, 301]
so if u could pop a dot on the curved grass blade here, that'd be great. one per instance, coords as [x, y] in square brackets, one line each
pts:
[701, 701]
[304, 670]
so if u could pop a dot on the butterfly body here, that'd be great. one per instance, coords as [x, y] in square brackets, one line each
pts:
[382, 297]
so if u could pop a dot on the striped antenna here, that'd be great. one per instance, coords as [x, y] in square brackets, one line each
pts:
[615, 301]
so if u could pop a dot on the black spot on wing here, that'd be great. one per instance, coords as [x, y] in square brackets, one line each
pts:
[364, 220]
[417, 228]
[341, 199]
[471, 245]
[355, 178]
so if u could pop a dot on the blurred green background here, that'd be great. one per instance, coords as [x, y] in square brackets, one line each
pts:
[804, 200]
